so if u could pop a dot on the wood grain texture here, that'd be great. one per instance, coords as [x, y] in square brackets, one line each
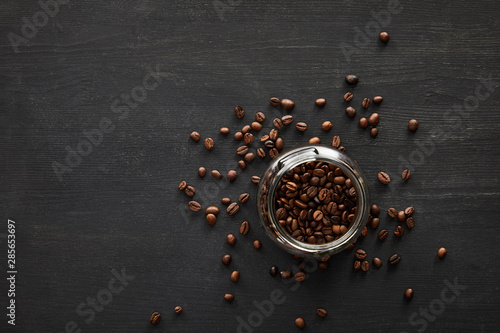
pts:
[120, 208]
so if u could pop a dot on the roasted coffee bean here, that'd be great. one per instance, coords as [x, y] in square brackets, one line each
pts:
[365, 266]
[278, 123]
[320, 102]
[401, 216]
[409, 211]
[269, 144]
[442, 253]
[287, 104]
[249, 157]
[226, 259]
[350, 112]
[190, 191]
[239, 112]
[178, 309]
[233, 208]
[394, 259]
[408, 293]
[384, 37]
[211, 219]
[273, 153]
[257, 244]
[374, 132]
[224, 131]
[209, 143]
[413, 125]
[255, 179]
[225, 201]
[374, 210]
[348, 96]
[256, 126]
[232, 175]
[273, 134]
[301, 126]
[364, 232]
[375, 222]
[287, 119]
[216, 174]
[300, 323]
[261, 153]
[399, 232]
[248, 138]
[300, 276]
[231, 239]
[351, 79]
[410, 222]
[195, 136]
[383, 234]
[336, 141]
[357, 265]
[275, 101]
[323, 265]
[182, 186]
[363, 122]
[360, 254]
[366, 103]
[238, 136]
[246, 129]
[244, 198]
[322, 313]
[260, 117]
[235, 276]
[279, 143]
[155, 318]
[377, 262]
[377, 99]
[326, 126]
[244, 228]
[286, 274]
[242, 164]
[202, 172]
[406, 174]
[383, 178]
[228, 297]
[273, 271]
[374, 119]
[212, 210]
[392, 212]
[315, 140]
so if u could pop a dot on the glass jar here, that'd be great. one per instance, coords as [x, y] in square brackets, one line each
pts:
[284, 163]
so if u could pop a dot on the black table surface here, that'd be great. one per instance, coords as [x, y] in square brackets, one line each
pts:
[116, 211]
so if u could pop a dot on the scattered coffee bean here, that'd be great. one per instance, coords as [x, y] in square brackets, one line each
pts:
[216, 174]
[377, 262]
[315, 140]
[224, 131]
[410, 223]
[286, 274]
[194, 206]
[300, 323]
[287, 104]
[248, 138]
[211, 219]
[257, 244]
[360, 254]
[413, 125]
[246, 129]
[374, 119]
[364, 232]
[383, 234]
[374, 132]
[348, 96]
[273, 134]
[279, 143]
[233, 208]
[232, 175]
[225, 201]
[235, 276]
[408, 293]
[274, 271]
[249, 157]
[195, 136]
[212, 210]
[273, 153]
[366, 103]
[357, 265]
[155, 318]
[401, 216]
[326, 126]
[182, 185]
[322, 313]
[261, 153]
[255, 179]
[226, 259]
[363, 122]
[409, 211]
[239, 112]
[350, 112]
[178, 309]
[242, 164]
[442, 253]
[406, 175]
[278, 123]
[256, 126]
[244, 228]
[202, 172]
[399, 232]
[377, 99]
[323, 265]
[287, 119]
[336, 141]
[374, 210]
[392, 212]
[231, 239]
[229, 297]
[351, 79]
[384, 178]
[375, 222]
[275, 101]
[320, 102]
[209, 143]
[351, 246]
[244, 198]
[238, 136]
[394, 259]
[260, 117]
[190, 191]
[365, 266]
[300, 276]
[301, 126]
[384, 37]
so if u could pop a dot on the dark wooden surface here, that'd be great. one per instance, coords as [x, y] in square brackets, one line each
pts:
[120, 208]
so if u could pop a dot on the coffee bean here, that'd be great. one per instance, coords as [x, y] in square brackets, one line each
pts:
[224, 131]
[195, 136]
[273, 134]
[233, 208]
[365, 266]
[413, 125]
[351, 79]
[348, 96]
[392, 212]
[178, 309]
[320, 102]
[155, 318]
[374, 210]
[384, 178]
[286, 274]
[377, 99]
[384, 37]
[326, 126]
[231, 239]
[225, 201]
[256, 126]
[239, 112]
[406, 174]
[287, 119]
[300, 276]
[357, 265]
[442, 253]
[211, 219]
[245, 129]
[244, 228]
[336, 141]
[300, 323]
[374, 119]
[360, 254]
[182, 186]
[322, 313]
[212, 210]
[202, 172]
[275, 101]
[261, 153]
[401, 216]
[260, 117]
[363, 122]
[287, 104]
[226, 259]
[383, 234]
[216, 174]
[315, 140]
[366, 103]
[238, 136]
[301, 126]
[364, 232]
[278, 123]
[350, 112]
[377, 262]
[410, 223]
[374, 132]
[409, 211]
[255, 179]
[249, 157]
[235, 276]
[394, 259]
[399, 232]
[375, 223]
[273, 271]
[244, 198]
[257, 244]
[190, 191]
[232, 175]
[351, 246]
[242, 164]
[209, 143]
[408, 293]
[273, 153]
[248, 138]
[323, 265]
[279, 143]
[228, 297]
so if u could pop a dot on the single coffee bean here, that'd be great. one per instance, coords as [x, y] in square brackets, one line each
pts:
[190, 191]
[225, 201]
[239, 112]
[406, 174]
[401, 216]
[394, 259]
[229, 297]
[209, 143]
[245, 129]
[257, 244]
[410, 223]
[278, 123]
[178, 309]
[231, 239]
[216, 174]
[384, 178]
[300, 323]
[336, 141]
[202, 172]
[238, 136]
[244, 228]
[442, 253]
[287, 104]
[399, 232]
[273, 153]
[279, 143]
[363, 122]
[226, 259]
[360, 254]
[244, 198]
[375, 223]
[377, 262]
[365, 266]
[383, 234]
[182, 185]
[224, 131]
[374, 119]
[375, 210]
[323, 265]
[249, 157]
[350, 112]
[315, 140]
[348, 96]
[366, 103]
[273, 134]
[256, 126]
[301, 126]
[350, 247]
[357, 265]
[374, 132]
[351, 79]
[275, 101]
[233, 208]
[242, 164]
[232, 175]
[408, 293]
[269, 144]
[320, 102]
[409, 211]
[235, 276]
[364, 232]
[273, 271]
[384, 37]
[322, 313]
[326, 126]
[255, 179]
[155, 318]
[211, 219]
[300, 276]
[287, 119]
[212, 210]
[248, 138]
[413, 125]
[392, 212]
[260, 117]
[377, 99]
[286, 274]
[261, 153]
[195, 136]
